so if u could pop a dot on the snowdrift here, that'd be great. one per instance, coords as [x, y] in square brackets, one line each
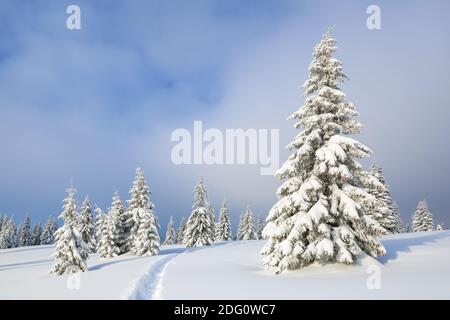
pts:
[416, 267]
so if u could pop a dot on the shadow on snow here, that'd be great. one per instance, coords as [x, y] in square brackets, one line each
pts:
[396, 245]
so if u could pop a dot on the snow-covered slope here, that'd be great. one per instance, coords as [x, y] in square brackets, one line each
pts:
[416, 266]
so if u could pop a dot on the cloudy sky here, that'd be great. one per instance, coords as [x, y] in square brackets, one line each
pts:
[92, 104]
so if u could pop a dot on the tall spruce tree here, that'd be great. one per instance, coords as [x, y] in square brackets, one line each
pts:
[422, 219]
[71, 251]
[248, 226]
[48, 234]
[198, 231]
[170, 233]
[86, 225]
[223, 228]
[324, 212]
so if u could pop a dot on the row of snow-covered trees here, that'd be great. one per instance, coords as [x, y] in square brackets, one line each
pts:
[202, 229]
[12, 236]
[134, 229]
[115, 232]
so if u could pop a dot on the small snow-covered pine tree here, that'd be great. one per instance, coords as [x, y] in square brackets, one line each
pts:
[423, 219]
[248, 226]
[140, 206]
[180, 230]
[3, 219]
[111, 230]
[260, 227]
[239, 228]
[71, 251]
[223, 227]
[198, 231]
[100, 225]
[384, 211]
[36, 235]
[144, 239]
[25, 236]
[120, 225]
[7, 234]
[170, 233]
[399, 226]
[212, 218]
[147, 242]
[48, 235]
[439, 227]
[17, 235]
[86, 225]
[323, 212]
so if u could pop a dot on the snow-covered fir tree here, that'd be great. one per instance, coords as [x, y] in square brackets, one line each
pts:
[198, 231]
[3, 219]
[324, 212]
[260, 227]
[7, 234]
[385, 210]
[248, 231]
[212, 218]
[239, 228]
[36, 235]
[439, 227]
[120, 225]
[17, 235]
[48, 234]
[86, 225]
[422, 219]
[100, 225]
[111, 230]
[141, 223]
[138, 199]
[399, 225]
[170, 233]
[223, 227]
[25, 230]
[180, 230]
[147, 241]
[71, 251]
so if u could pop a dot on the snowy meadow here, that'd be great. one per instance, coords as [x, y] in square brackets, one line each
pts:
[334, 230]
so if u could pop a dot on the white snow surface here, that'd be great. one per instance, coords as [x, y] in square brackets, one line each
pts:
[416, 267]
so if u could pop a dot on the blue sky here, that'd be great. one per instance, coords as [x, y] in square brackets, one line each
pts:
[92, 104]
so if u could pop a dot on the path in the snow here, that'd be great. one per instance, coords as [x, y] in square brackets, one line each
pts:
[150, 285]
